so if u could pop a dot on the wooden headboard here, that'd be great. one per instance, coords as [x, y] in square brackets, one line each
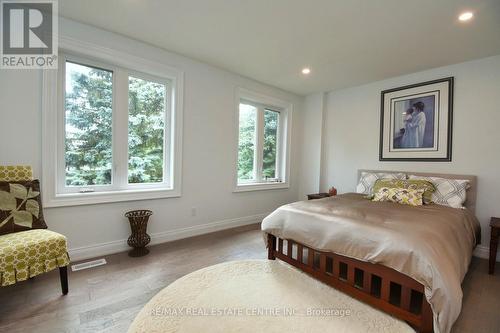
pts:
[471, 192]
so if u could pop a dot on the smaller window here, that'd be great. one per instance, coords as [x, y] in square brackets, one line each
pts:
[262, 143]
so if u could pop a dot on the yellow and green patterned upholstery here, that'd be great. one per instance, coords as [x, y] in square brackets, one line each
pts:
[402, 196]
[26, 254]
[15, 173]
[413, 184]
[29, 253]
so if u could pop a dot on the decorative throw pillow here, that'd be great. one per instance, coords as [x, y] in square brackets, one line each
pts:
[413, 184]
[449, 192]
[15, 173]
[20, 206]
[402, 196]
[368, 179]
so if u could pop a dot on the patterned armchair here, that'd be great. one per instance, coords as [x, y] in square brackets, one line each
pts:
[27, 249]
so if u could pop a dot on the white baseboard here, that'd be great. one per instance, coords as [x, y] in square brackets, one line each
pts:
[102, 249]
[482, 251]
[96, 250]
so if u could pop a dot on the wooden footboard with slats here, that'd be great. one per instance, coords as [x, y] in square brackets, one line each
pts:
[382, 287]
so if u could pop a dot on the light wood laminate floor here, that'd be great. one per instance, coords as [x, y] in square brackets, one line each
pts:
[107, 298]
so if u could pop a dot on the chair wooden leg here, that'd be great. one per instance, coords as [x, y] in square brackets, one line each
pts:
[63, 273]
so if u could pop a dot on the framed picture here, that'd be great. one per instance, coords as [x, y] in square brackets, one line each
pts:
[416, 122]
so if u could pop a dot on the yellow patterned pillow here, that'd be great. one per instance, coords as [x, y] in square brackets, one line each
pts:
[15, 173]
[414, 184]
[402, 196]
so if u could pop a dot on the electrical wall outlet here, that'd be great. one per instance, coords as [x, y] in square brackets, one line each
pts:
[193, 211]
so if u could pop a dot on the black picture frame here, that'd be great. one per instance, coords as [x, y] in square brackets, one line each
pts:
[449, 128]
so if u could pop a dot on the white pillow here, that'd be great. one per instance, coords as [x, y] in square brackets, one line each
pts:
[368, 179]
[449, 192]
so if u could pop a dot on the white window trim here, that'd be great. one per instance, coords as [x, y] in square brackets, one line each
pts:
[283, 166]
[52, 122]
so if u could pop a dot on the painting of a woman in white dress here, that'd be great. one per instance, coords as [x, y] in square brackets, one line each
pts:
[414, 123]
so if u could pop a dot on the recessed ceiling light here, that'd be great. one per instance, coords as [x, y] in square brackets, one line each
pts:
[306, 71]
[466, 16]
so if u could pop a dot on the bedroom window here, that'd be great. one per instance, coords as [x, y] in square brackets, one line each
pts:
[93, 98]
[118, 138]
[262, 142]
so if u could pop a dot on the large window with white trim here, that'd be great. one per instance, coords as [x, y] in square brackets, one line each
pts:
[102, 152]
[262, 143]
[116, 134]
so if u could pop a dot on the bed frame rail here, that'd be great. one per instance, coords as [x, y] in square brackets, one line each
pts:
[379, 286]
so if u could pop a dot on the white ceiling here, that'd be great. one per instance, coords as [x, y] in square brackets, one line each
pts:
[344, 42]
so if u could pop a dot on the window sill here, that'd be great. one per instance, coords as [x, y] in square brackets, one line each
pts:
[77, 199]
[260, 187]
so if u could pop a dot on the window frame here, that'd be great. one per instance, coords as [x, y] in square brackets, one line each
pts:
[55, 192]
[61, 131]
[262, 103]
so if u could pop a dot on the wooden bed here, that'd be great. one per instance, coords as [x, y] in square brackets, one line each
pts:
[382, 287]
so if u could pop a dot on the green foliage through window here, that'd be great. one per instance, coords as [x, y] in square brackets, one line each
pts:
[246, 143]
[258, 129]
[271, 119]
[89, 127]
[89, 113]
[146, 131]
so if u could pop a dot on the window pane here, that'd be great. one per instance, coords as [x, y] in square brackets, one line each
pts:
[146, 127]
[271, 119]
[246, 142]
[88, 125]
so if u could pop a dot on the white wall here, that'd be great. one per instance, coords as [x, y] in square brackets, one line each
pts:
[310, 162]
[209, 152]
[351, 134]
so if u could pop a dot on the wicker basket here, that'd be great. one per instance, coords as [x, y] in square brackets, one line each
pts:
[139, 238]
